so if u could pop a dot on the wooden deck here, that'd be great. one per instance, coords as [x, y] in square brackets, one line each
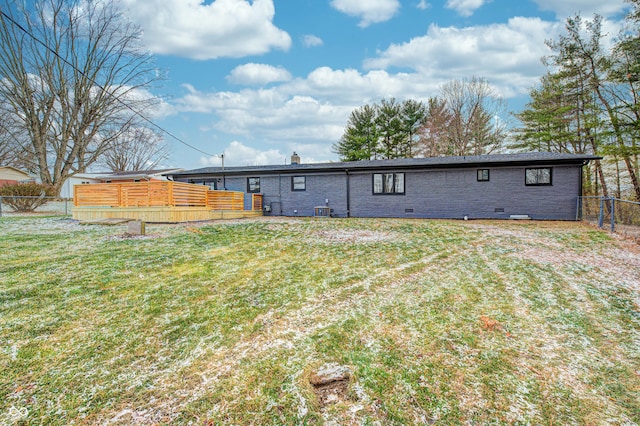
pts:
[160, 214]
[160, 201]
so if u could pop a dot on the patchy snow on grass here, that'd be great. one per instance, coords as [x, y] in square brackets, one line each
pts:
[353, 236]
[223, 322]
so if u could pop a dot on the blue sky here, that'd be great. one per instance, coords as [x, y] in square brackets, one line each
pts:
[257, 80]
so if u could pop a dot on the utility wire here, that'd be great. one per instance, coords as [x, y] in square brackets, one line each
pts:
[166, 132]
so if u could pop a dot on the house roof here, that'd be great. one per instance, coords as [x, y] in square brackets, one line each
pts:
[137, 174]
[15, 170]
[521, 159]
[93, 176]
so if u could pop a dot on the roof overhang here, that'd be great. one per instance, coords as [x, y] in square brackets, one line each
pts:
[129, 177]
[382, 165]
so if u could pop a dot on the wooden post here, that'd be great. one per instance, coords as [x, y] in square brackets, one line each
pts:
[119, 194]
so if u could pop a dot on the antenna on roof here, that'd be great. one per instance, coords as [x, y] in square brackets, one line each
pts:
[221, 157]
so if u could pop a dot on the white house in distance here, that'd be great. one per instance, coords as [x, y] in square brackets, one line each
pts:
[80, 179]
[9, 175]
[113, 177]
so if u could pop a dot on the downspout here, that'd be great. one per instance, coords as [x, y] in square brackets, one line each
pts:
[580, 188]
[348, 193]
[280, 194]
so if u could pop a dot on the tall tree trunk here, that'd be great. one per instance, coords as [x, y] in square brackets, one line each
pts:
[603, 183]
[633, 176]
[615, 124]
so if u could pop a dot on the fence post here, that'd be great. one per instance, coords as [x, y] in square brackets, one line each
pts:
[0, 206]
[578, 208]
[613, 214]
[601, 215]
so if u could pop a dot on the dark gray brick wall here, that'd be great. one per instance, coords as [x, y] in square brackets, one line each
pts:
[457, 193]
[279, 195]
[321, 190]
[452, 193]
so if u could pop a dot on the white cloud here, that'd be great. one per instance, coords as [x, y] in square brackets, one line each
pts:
[310, 40]
[351, 87]
[586, 8]
[291, 119]
[369, 11]
[423, 5]
[258, 74]
[194, 29]
[271, 115]
[509, 53]
[313, 109]
[238, 154]
[161, 109]
[464, 7]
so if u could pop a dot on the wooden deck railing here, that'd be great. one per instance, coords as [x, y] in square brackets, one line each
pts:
[155, 194]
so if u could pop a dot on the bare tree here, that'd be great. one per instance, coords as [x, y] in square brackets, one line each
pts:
[433, 135]
[473, 105]
[137, 149]
[465, 120]
[12, 139]
[7, 151]
[74, 72]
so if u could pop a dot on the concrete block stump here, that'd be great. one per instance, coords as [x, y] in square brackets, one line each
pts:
[136, 227]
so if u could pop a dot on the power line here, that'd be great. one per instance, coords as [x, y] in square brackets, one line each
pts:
[166, 132]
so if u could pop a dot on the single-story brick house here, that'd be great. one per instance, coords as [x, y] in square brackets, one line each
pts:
[533, 185]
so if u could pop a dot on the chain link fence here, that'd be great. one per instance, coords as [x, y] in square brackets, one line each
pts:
[621, 216]
[10, 206]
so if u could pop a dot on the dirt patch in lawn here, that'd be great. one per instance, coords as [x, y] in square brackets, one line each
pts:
[331, 384]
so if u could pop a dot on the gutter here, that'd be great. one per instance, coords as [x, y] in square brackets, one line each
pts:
[324, 168]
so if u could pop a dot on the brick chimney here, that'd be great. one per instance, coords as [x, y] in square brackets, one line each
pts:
[295, 158]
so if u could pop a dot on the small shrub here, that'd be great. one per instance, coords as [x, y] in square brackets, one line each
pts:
[25, 197]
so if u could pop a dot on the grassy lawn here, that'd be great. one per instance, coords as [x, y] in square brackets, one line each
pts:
[441, 322]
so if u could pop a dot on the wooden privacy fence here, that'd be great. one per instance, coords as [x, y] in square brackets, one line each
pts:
[225, 200]
[155, 194]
